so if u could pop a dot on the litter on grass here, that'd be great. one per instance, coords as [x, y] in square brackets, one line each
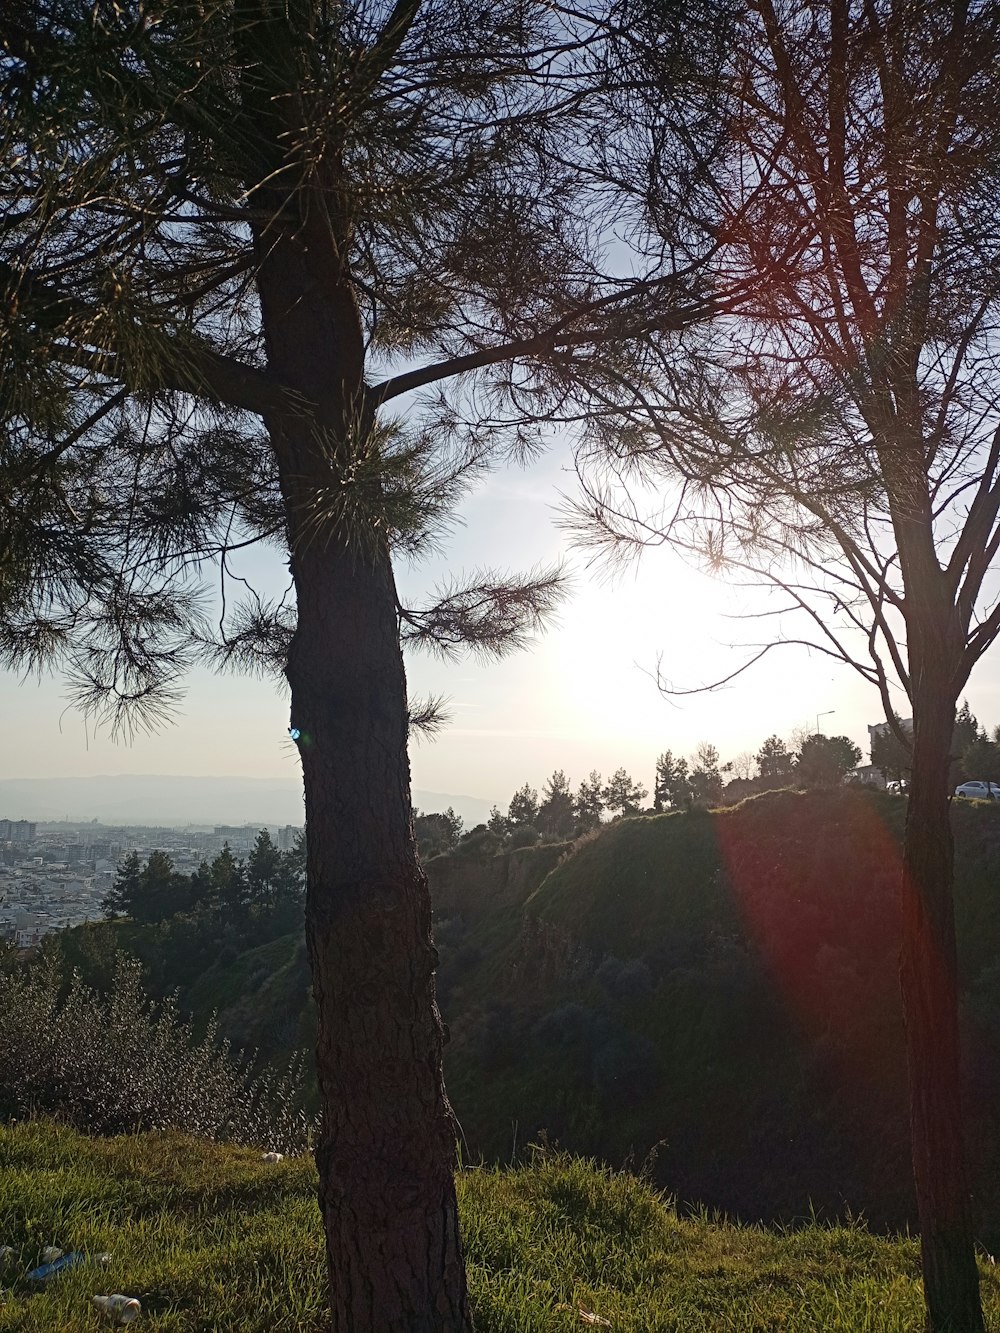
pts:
[58, 1265]
[51, 1253]
[273, 1157]
[586, 1316]
[122, 1309]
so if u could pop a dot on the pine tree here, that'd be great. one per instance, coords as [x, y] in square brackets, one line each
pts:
[498, 822]
[437, 833]
[824, 761]
[621, 793]
[837, 437]
[230, 889]
[965, 731]
[889, 754]
[523, 809]
[557, 814]
[671, 786]
[263, 872]
[148, 893]
[775, 760]
[123, 895]
[705, 780]
[589, 802]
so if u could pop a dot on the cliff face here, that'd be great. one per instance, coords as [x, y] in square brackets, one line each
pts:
[473, 887]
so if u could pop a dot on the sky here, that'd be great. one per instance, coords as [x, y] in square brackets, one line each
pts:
[582, 697]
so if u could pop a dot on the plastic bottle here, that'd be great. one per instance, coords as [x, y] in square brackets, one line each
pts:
[123, 1309]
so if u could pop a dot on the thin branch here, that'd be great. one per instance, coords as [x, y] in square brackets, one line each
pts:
[557, 338]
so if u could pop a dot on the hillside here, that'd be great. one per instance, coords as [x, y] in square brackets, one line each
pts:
[718, 986]
[724, 987]
[212, 1238]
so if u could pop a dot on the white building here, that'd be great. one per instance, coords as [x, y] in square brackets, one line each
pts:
[883, 728]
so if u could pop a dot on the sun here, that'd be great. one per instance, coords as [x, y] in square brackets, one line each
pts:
[625, 646]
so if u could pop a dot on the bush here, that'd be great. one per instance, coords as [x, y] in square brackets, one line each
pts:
[480, 843]
[570, 1028]
[116, 1065]
[625, 1069]
[631, 980]
[523, 836]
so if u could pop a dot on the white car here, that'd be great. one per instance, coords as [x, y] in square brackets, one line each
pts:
[983, 791]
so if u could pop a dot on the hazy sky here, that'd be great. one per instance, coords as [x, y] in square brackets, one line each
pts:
[582, 697]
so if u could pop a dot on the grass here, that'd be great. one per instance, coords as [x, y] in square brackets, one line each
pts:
[212, 1240]
[208, 1238]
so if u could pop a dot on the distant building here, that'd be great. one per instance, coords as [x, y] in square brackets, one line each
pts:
[17, 830]
[29, 930]
[243, 836]
[882, 728]
[868, 775]
[287, 837]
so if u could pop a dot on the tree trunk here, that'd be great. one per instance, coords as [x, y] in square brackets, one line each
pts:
[930, 1006]
[387, 1145]
[386, 1152]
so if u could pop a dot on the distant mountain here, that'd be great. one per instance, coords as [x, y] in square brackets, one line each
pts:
[472, 809]
[150, 799]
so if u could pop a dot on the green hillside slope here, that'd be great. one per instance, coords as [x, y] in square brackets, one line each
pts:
[724, 985]
[261, 998]
[720, 986]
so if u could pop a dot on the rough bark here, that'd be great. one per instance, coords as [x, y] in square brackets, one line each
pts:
[387, 1146]
[930, 1006]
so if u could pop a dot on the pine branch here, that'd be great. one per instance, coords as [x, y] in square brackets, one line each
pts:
[182, 364]
[492, 615]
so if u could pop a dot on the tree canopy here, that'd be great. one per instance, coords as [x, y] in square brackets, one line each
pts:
[825, 760]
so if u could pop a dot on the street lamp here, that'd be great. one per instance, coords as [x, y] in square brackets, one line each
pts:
[819, 715]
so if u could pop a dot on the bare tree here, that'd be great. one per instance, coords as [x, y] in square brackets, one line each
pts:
[743, 766]
[233, 232]
[838, 436]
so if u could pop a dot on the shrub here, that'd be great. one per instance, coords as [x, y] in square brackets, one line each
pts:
[631, 980]
[570, 1028]
[115, 1064]
[523, 836]
[480, 843]
[625, 1069]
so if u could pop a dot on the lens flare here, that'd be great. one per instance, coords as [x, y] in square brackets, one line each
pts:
[816, 878]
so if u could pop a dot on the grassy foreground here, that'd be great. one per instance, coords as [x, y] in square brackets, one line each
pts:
[213, 1240]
